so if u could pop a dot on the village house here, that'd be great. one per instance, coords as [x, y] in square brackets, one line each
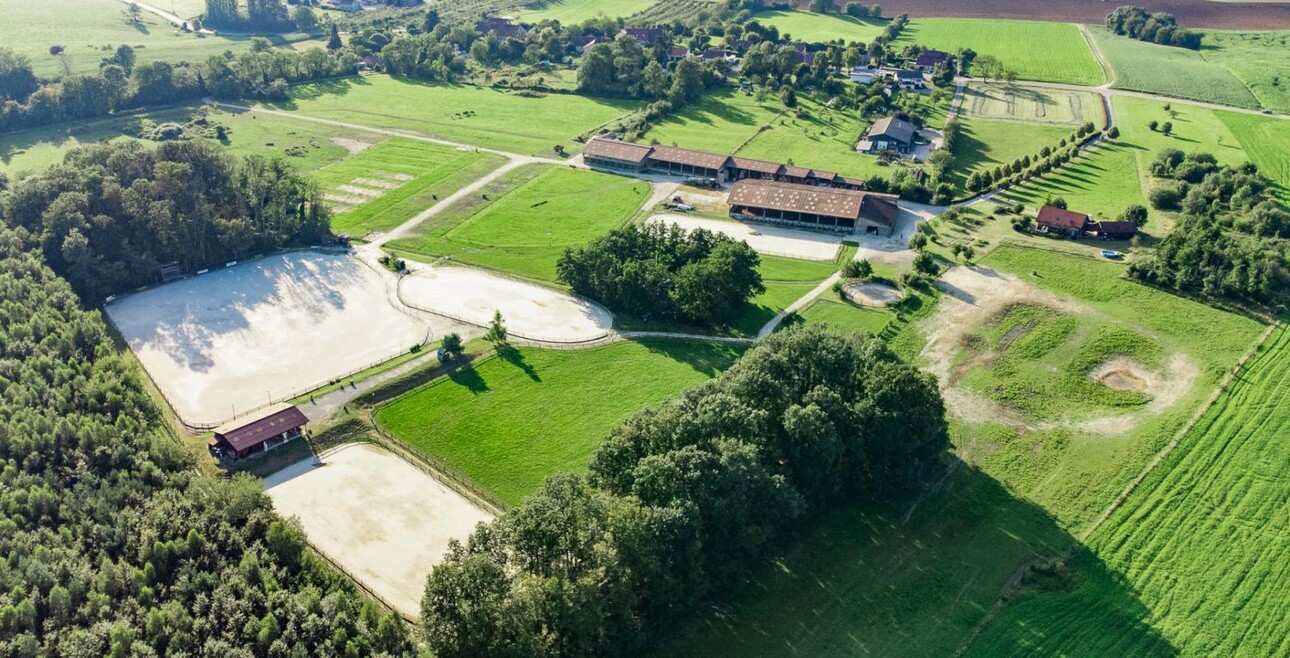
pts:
[678, 53]
[905, 79]
[888, 134]
[581, 43]
[1060, 221]
[645, 35]
[814, 206]
[862, 75]
[930, 58]
[502, 27]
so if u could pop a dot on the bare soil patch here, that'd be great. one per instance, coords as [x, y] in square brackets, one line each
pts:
[351, 145]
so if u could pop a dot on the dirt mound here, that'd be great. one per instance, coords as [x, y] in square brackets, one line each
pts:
[872, 294]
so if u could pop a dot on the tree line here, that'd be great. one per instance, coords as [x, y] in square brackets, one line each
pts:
[1231, 239]
[682, 500]
[260, 16]
[112, 214]
[663, 272]
[121, 84]
[1158, 27]
[111, 543]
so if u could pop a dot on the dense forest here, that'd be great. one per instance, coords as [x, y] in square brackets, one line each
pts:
[113, 213]
[682, 499]
[1232, 238]
[111, 544]
[662, 272]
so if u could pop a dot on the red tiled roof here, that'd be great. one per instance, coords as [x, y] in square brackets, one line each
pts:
[761, 166]
[613, 149]
[796, 172]
[688, 157]
[826, 201]
[1054, 217]
[252, 430]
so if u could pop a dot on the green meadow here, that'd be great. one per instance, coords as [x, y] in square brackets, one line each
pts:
[510, 421]
[814, 28]
[720, 123]
[985, 143]
[1258, 59]
[570, 12]
[1048, 52]
[1171, 71]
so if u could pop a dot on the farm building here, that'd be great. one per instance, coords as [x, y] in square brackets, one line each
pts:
[623, 156]
[930, 58]
[645, 35]
[616, 155]
[687, 162]
[258, 432]
[503, 27]
[1052, 219]
[888, 134]
[862, 75]
[908, 80]
[1114, 230]
[815, 206]
[741, 168]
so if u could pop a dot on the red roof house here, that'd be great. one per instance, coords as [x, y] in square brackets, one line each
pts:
[1052, 219]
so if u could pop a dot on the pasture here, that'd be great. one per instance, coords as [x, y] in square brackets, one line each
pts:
[1101, 182]
[524, 220]
[570, 12]
[719, 123]
[822, 137]
[1048, 52]
[1171, 71]
[90, 30]
[386, 522]
[381, 187]
[985, 144]
[232, 340]
[1258, 59]
[1005, 102]
[817, 28]
[510, 421]
[478, 116]
[1198, 541]
[1266, 142]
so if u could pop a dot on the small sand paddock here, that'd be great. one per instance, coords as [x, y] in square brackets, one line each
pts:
[383, 520]
[872, 294]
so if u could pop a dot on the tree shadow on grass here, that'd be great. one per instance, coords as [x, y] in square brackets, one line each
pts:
[711, 359]
[509, 354]
[915, 578]
[469, 378]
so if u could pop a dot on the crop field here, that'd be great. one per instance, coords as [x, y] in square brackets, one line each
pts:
[1048, 52]
[1258, 59]
[1199, 542]
[511, 421]
[524, 221]
[815, 28]
[387, 184]
[720, 123]
[1259, 15]
[460, 113]
[1267, 144]
[90, 30]
[569, 12]
[913, 578]
[985, 144]
[1005, 102]
[1177, 72]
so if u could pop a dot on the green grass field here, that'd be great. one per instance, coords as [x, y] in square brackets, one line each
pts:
[570, 12]
[409, 175]
[1171, 71]
[786, 281]
[1049, 52]
[828, 309]
[812, 28]
[461, 113]
[1258, 59]
[509, 422]
[530, 217]
[1102, 182]
[985, 144]
[823, 138]
[1007, 102]
[1267, 144]
[719, 123]
[90, 30]
[1200, 542]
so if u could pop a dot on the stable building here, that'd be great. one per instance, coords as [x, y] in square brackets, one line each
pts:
[1114, 230]
[616, 155]
[687, 162]
[814, 206]
[257, 432]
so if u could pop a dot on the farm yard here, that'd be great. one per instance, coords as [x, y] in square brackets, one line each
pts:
[1176, 72]
[365, 509]
[378, 188]
[1047, 52]
[811, 27]
[233, 340]
[510, 421]
[479, 116]
[523, 221]
[772, 240]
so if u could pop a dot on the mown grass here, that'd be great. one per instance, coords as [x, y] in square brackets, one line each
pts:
[844, 315]
[570, 12]
[90, 30]
[1258, 59]
[479, 116]
[812, 27]
[511, 421]
[1101, 182]
[1049, 52]
[1171, 71]
[985, 144]
[1030, 104]
[823, 138]
[1201, 541]
[1266, 142]
[720, 122]
[437, 172]
[524, 221]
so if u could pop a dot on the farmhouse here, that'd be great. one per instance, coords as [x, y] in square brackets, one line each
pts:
[1114, 230]
[1052, 219]
[888, 134]
[930, 58]
[908, 80]
[815, 206]
[645, 35]
[503, 27]
[258, 432]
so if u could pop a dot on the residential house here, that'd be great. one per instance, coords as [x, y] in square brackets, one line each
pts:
[645, 35]
[1052, 219]
[502, 27]
[678, 53]
[889, 134]
[930, 58]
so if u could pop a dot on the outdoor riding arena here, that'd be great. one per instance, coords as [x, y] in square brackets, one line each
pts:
[375, 515]
[769, 240]
[528, 310]
[223, 343]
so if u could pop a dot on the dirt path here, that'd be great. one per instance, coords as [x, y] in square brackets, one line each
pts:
[1101, 58]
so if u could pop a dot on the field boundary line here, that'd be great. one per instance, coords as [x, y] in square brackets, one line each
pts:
[1164, 452]
[1107, 71]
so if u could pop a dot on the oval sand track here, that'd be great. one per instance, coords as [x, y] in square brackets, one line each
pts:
[528, 310]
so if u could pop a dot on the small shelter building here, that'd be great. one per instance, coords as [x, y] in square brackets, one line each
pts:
[258, 432]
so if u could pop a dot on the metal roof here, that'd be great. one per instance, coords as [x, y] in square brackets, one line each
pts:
[897, 129]
[688, 157]
[254, 428]
[613, 149]
[826, 201]
[756, 165]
